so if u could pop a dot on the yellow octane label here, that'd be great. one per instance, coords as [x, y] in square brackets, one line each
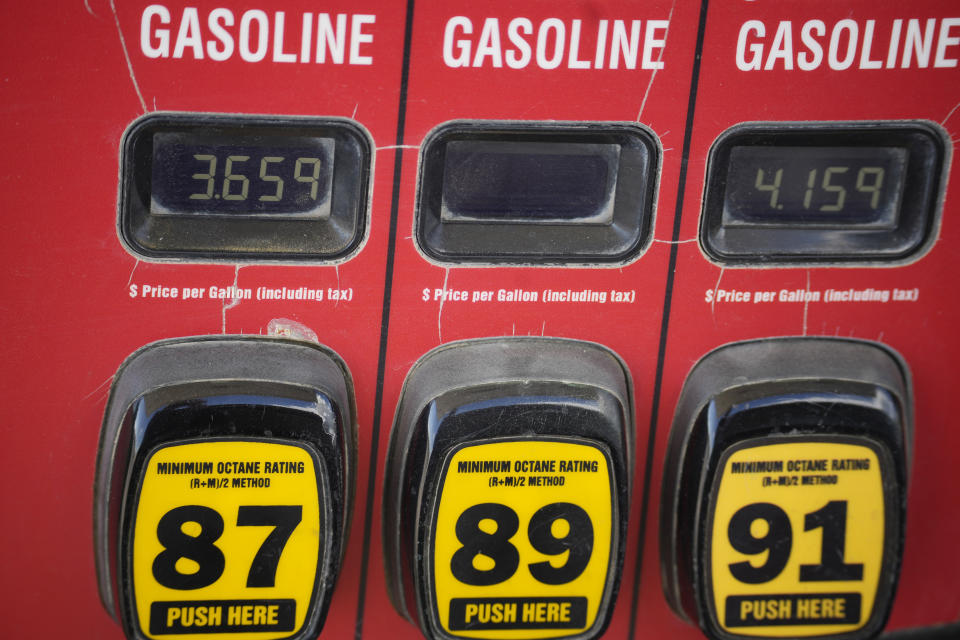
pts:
[796, 546]
[226, 541]
[522, 541]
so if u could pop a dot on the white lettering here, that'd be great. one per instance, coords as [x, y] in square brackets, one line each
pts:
[865, 61]
[894, 44]
[514, 29]
[651, 42]
[835, 36]
[573, 60]
[759, 30]
[263, 35]
[489, 44]
[782, 47]
[915, 43]
[216, 21]
[601, 44]
[336, 43]
[542, 35]
[162, 49]
[213, 35]
[278, 53]
[863, 44]
[189, 34]
[553, 43]
[810, 61]
[306, 34]
[463, 58]
[621, 46]
[946, 40]
[358, 37]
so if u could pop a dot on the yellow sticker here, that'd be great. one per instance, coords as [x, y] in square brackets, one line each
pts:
[523, 539]
[797, 538]
[227, 540]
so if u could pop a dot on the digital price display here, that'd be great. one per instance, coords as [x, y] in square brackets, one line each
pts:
[223, 488]
[529, 193]
[799, 193]
[815, 186]
[788, 521]
[195, 174]
[529, 182]
[507, 489]
[209, 187]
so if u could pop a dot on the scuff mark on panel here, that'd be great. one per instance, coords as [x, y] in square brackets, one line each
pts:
[713, 302]
[336, 270]
[955, 107]
[675, 241]
[443, 297]
[287, 328]
[126, 55]
[99, 387]
[136, 264]
[86, 4]
[653, 75]
[224, 306]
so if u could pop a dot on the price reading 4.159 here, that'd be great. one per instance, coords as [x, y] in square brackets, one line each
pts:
[814, 185]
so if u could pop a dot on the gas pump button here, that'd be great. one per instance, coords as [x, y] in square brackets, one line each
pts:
[223, 488]
[796, 536]
[222, 532]
[784, 493]
[525, 545]
[507, 489]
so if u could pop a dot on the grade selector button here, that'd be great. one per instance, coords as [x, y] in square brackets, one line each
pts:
[785, 487]
[223, 487]
[507, 489]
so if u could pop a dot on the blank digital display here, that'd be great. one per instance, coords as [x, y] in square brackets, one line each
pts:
[537, 182]
[814, 186]
[200, 174]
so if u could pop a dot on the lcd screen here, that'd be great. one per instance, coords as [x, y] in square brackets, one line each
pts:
[814, 186]
[202, 174]
[533, 182]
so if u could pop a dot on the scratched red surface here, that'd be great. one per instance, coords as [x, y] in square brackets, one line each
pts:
[73, 76]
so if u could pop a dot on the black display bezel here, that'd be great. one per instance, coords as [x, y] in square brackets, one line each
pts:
[552, 242]
[215, 238]
[797, 244]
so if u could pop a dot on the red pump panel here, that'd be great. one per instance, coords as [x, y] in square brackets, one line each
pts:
[75, 303]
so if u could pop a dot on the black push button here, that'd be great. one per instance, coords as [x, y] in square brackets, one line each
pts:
[537, 192]
[507, 489]
[206, 187]
[223, 488]
[784, 490]
[794, 193]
